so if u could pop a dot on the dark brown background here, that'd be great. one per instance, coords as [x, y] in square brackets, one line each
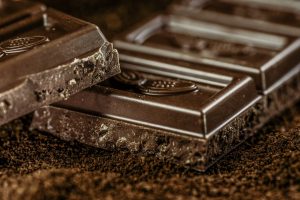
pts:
[36, 165]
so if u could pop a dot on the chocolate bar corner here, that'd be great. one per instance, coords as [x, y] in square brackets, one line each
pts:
[47, 58]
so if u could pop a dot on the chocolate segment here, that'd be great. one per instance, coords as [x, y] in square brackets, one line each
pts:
[49, 59]
[268, 58]
[193, 128]
[125, 126]
[195, 107]
[170, 117]
[281, 17]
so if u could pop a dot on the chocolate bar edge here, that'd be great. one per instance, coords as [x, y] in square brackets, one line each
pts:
[64, 80]
[113, 135]
[173, 147]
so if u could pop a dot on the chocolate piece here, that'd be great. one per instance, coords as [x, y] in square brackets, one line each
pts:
[168, 117]
[268, 16]
[181, 118]
[166, 96]
[275, 72]
[50, 59]
[269, 59]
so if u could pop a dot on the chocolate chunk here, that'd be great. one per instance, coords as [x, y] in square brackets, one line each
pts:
[49, 59]
[158, 113]
[175, 127]
[184, 94]
[279, 17]
[269, 58]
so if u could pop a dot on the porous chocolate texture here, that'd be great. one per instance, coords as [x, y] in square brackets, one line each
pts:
[187, 151]
[115, 135]
[176, 45]
[51, 58]
[113, 132]
[148, 113]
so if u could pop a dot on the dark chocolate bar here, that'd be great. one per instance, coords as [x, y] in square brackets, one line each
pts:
[183, 118]
[184, 94]
[281, 17]
[269, 59]
[150, 109]
[49, 59]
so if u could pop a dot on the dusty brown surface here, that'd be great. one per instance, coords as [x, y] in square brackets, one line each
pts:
[40, 166]
[36, 165]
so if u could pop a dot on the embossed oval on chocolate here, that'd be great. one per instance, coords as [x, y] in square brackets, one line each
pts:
[129, 78]
[22, 44]
[166, 87]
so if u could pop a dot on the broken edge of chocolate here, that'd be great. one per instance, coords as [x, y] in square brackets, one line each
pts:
[51, 60]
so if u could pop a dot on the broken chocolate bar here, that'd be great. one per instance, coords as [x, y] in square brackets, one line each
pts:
[49, 59]
[182, 119]
[152, 107]
[268, 16]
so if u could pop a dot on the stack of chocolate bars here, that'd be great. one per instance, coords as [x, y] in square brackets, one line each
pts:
[196, 81]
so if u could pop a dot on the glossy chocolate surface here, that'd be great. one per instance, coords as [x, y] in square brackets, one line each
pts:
[166, 101]
[183, 95]
[49, 58]
[267, 58]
